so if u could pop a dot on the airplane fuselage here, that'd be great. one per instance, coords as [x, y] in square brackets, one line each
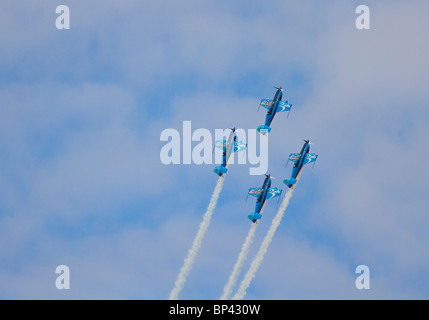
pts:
[273, 109]
[260, 201]
[300, 163]
[229, 149]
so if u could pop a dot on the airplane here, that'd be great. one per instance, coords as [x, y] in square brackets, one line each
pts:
[228, 147]
[273, 106]
[262, 194]
[300, 159]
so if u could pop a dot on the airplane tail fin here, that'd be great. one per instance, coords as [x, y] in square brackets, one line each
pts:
[254, 217]
[289, 182]
[220, 170]
[263, 129]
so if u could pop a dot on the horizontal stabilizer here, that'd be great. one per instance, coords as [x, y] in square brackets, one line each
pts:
[263, 129]
[254, 216]
[289, 182]
[220, 170]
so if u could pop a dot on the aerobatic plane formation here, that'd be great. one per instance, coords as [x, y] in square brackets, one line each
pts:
[265, 192]
[262, 194]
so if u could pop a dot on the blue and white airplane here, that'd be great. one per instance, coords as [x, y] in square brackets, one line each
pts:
[228, 147]
[300, 159]
[262, 194]
[273, 106]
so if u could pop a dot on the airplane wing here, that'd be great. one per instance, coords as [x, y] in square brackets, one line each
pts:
[294, 157]
[255, 191]
[266, 103]
[310, 157]
[283, 106]
[273, 192]
[221, 144]
[239, 146]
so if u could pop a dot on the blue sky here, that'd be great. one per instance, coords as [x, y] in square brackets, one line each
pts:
[82, 184]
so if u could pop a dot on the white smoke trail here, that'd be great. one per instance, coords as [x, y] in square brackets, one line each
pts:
[192, 253]
[227, 290]
[241, 292]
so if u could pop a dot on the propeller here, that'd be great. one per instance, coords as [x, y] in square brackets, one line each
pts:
[308, 141]
[278, 88]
